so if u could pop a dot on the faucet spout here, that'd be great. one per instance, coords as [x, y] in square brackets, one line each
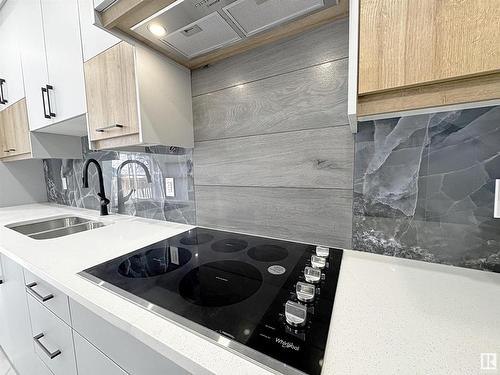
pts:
[102, 195]
[121, 198]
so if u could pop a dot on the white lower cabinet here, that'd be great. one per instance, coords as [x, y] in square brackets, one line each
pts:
[43, 332]
[91, 361]
[53, 339]
[118, 345]
[47, 295]
[16, 338]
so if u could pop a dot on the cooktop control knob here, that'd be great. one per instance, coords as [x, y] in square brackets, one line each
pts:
[318, 262]
[312, 275]
[305, 292]
[322, 251]
[295, 314]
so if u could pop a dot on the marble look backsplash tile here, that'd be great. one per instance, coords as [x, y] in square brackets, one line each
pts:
[149, 200]
[424, 187]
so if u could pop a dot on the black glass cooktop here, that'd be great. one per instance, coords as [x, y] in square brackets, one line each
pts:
[269, 299]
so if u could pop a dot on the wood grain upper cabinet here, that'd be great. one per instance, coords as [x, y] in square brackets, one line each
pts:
[15, 130]
[135, 96]
[405, 43]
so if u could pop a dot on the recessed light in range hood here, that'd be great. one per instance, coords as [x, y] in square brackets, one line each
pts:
[197, 27]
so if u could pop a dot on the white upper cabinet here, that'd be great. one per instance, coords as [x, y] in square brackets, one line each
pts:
[35, 72]
[64, 58]
[11, 75]
[52, 62]
[94, 39]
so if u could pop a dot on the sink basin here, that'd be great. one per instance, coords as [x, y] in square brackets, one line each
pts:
[55, 227]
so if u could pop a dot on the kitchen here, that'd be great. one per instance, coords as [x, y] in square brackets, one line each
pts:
[292, 187]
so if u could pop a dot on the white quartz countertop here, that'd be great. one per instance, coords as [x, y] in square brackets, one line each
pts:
[391, 316]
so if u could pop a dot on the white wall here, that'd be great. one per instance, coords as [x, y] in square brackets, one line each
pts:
[22, 182]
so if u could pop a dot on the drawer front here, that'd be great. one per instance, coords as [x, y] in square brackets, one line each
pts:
[50, 297]
[53, 339]
[128, 352]
[91, 361]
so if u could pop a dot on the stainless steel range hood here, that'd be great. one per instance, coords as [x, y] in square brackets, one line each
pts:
[191, 28]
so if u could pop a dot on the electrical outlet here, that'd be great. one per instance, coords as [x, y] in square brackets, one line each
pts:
[65, 183]
[169, 187]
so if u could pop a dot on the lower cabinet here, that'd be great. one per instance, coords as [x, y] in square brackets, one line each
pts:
[91, 361]
[43, 332]
[53, 339]
[16, 339]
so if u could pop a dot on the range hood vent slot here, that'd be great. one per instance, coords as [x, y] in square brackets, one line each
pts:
[253, 16]
[209, 33]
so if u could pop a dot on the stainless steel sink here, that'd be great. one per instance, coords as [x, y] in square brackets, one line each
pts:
[55, 227]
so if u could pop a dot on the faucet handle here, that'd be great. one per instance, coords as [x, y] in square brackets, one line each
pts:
[104, 201]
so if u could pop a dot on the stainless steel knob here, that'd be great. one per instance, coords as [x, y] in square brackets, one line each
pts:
[305, 292]
[322, 251]
[318, 262]
[312, 275]
[295, 314]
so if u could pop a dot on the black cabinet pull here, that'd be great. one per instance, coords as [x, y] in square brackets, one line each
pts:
[44, 90]
[49, 354]
[2, 99]
[102, 130]
[49, 87]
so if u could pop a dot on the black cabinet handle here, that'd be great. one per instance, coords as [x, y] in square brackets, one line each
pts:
[38, 295]
[102, 130]
[44, 91]
[49, 354]
[2, 99]
[49, 87]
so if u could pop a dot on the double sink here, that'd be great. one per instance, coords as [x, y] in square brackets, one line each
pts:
[55, 227]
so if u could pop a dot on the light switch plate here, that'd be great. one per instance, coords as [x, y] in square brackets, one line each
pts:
[65, 183]
[169, 187]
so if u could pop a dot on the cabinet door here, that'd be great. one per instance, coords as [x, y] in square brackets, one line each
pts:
[18, 341]
[64, 58]
[405, 43]
[90, 361]
[10, 61]
[18, 128]
[34, 63]
[3, 140]
[94, 39]
[110, 84]
[53, 339]
[15, 131]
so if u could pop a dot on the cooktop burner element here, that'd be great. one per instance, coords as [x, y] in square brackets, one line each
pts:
[269, 300]
[220, 283]
[197, 239]
[268, 253]
[229, 245]
[154, 262]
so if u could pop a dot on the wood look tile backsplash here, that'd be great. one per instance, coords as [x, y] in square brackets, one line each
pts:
[273, 151]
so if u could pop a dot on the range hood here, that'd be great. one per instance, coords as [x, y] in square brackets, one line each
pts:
[192, 28]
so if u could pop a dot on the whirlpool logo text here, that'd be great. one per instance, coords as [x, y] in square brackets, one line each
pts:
[287, 345]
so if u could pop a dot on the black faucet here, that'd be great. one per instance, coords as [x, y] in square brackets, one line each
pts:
[121, 198]
[102, 195]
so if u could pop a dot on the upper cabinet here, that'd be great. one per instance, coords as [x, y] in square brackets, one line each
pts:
[94, 39]
[136, 96]
[405, 42]
[11, 76]
[424, 54]
[52, 62]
